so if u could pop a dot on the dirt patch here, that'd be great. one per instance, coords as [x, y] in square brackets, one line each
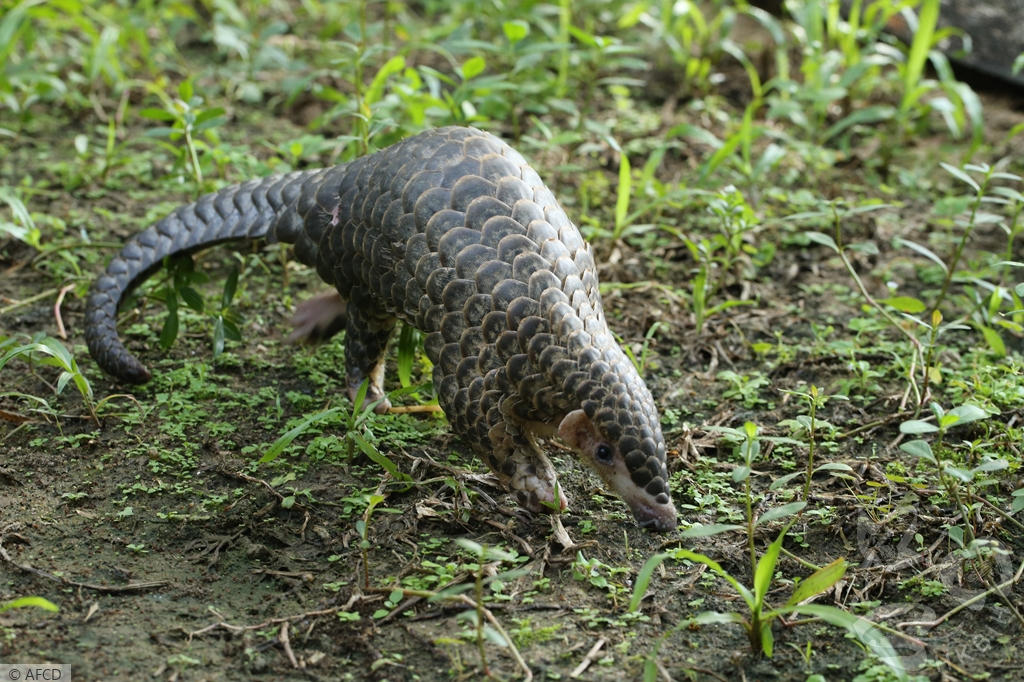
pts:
[174, 554]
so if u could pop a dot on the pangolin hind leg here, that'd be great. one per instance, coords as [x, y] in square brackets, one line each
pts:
[367, 332]
[319, 318]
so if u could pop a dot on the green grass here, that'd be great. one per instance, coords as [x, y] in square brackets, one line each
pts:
[803, 224]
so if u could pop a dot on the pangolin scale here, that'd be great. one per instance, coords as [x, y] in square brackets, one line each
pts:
[453, 232]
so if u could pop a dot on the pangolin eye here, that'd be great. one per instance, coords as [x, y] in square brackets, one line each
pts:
[603, 453]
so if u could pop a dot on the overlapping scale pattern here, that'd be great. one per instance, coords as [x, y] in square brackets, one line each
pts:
[454, 233]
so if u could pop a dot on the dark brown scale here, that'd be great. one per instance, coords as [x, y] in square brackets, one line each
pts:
[465, 372]
[497, 228]
[430, 202]
[511, 190]
[452, 327]
[475, 309]
[491, 274]
[544, 286]
[481, 210]
[506, 291]
[471, 259]
[466, 190]
[440, 223]
[526, 211]
[488, 360]
[507, 345]
[512, 246]
[453, 232]
[455, 295]
[471, 343]
[454, 241]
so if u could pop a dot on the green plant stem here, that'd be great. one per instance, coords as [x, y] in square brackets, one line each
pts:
[1006, 517]
[426, 594]
[951, 270]
[810, 445]
[837, 235]
[933, 335]
[750, 524]
[193, 158]
[479, 592]
[800, 560]
[564, 19]
[952, 488]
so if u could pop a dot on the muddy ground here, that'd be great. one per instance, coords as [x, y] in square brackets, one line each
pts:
[172, 554]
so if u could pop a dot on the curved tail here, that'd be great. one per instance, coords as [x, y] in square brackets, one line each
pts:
[272, 208]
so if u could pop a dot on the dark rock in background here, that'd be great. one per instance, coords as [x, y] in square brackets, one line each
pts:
[995, 35]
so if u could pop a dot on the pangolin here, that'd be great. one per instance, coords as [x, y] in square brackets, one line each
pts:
[453, 232]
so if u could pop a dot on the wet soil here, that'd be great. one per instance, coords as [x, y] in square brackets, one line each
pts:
[174, 555]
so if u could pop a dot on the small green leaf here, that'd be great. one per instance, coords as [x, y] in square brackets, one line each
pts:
[766, 569]
[869, 248]
[622, 195]
[959, 473]
[706, 530]
[916, 426]
[169, 331]
[375, 92]
[994, 340]
[767, 638]
[377, 456]
[473, 66]
[906, 304]
[834, 466]
[924, 251]
[515, 30]
[643, 579]
[493, 636]
[230, 286]
[823, 239]
[231, 330]
[406, 354]
[990, 465]
[24, 602]
[956, 533]
[960, 175]
[157, 114]
[862, 629]
[218, 336]
[818, 582]
[58, 350]
[185, 90]
[208, 115]
[191, 298]
[278, 446]
[781, 512]
[968, 413]
[919, 448]
[781, 481]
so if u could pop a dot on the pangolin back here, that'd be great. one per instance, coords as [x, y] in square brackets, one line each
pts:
[454, 233]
